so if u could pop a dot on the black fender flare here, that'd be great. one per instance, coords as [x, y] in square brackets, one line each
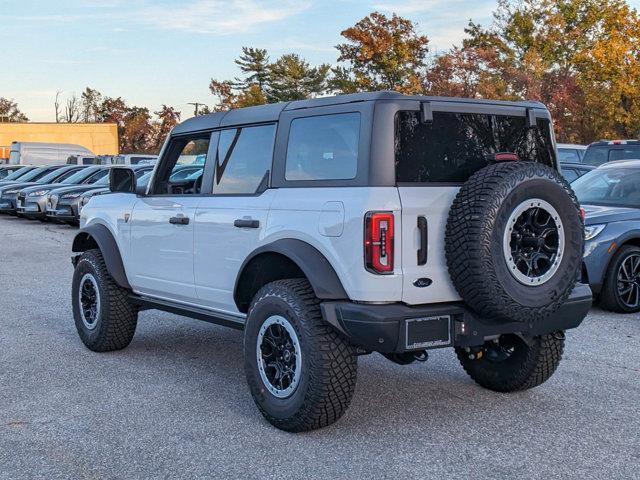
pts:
[321, 275]
[108, 246]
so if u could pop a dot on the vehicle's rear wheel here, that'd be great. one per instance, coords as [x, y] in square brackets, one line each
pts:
[301, 372]
[621, 289]
[105, 318]
[510, 363]
[514, 241]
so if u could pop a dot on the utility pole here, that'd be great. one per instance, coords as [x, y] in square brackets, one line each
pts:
[197, 106]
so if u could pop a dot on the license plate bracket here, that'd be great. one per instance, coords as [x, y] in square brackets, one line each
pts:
[428, 332]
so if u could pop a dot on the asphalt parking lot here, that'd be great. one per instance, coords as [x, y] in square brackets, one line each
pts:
[174, 404]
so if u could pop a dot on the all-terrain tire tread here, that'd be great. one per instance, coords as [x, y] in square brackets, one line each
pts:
[333, 361]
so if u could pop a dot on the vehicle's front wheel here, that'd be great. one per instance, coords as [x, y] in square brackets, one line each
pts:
[301, 372]
[621, 289]
[511, 363]
[105, 318]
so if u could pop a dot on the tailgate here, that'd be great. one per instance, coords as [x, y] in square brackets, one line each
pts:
[426, 279]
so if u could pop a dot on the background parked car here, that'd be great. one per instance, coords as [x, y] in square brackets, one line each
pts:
[17, 175]
[32, 201]
[571, 171]
[570, 152]
[64, 204]
[605, 151]
[38, 176]
[610, 196]
[8, 169]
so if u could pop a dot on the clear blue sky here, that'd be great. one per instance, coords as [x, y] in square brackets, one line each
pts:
[165, 51]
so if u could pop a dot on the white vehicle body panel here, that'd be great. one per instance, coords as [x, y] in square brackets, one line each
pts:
[37, 153]
[221, 248]
[433, 203]
[161, 262]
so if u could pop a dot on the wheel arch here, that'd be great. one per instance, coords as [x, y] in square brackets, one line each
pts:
[286, 258]
[100, 237]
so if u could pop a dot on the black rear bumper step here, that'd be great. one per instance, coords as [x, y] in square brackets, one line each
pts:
[392, 328]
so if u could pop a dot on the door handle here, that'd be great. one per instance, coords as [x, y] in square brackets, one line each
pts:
[246, 223]
[179, 220]
[424, 240]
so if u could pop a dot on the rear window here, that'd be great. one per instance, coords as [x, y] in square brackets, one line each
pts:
[323, 147]
[456, 145]
[598, 154]
[568, 155]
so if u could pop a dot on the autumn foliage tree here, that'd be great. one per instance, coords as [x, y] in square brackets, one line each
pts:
[9, 111]
[381, 53]
[579, 57]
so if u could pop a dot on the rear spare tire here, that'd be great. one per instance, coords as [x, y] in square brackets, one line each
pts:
[514, 241]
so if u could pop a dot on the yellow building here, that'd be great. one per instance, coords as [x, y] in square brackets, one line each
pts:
[100, 138]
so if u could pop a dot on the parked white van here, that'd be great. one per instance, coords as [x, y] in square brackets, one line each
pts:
[37, 153]
[134, 159]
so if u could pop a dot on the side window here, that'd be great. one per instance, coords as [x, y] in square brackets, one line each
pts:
[323, 147]
[181, 150]
[243, 159]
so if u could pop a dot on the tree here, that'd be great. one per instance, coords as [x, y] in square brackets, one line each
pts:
[137, 131]
[90, 101]
[72, 110]
[168, 118]
[292, 78]
[9, 111]
[381, 53]
[580, 57]
[254, 63]
[56, 105]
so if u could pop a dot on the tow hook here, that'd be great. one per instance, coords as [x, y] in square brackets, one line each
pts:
[406, 358]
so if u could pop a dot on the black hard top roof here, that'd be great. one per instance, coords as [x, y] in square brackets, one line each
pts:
[271, 112]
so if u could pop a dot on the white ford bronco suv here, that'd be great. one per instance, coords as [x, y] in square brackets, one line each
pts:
[335, 227]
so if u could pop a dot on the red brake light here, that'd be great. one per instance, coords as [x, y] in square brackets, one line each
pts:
[378, 242]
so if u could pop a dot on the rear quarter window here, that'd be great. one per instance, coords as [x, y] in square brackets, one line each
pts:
[323, 147]
[456, 145]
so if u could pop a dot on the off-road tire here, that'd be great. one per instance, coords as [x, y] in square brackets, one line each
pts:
[474, 241]
[531, 366]
[609, 296]
[117, 317]
[329, 361]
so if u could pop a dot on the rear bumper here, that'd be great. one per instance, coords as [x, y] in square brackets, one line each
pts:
[389, 328]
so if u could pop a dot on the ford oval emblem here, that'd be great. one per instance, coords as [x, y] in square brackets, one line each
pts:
[422, 282]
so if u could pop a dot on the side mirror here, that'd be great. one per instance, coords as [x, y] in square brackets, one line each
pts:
[122, 180]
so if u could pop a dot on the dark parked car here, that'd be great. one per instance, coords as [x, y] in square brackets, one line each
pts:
[571, 171]
[610, 196]
[9, 189]
[64, 204]
[605, 151]
[32, 201]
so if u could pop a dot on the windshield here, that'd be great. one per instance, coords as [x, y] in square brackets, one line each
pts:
[53, 176]
[35, 174]
[18, 173]
[79, 176]
[618, 187]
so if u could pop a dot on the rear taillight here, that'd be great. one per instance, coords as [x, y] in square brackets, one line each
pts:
[378, 242]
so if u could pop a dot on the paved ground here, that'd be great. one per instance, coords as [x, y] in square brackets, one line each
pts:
[175, 404]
